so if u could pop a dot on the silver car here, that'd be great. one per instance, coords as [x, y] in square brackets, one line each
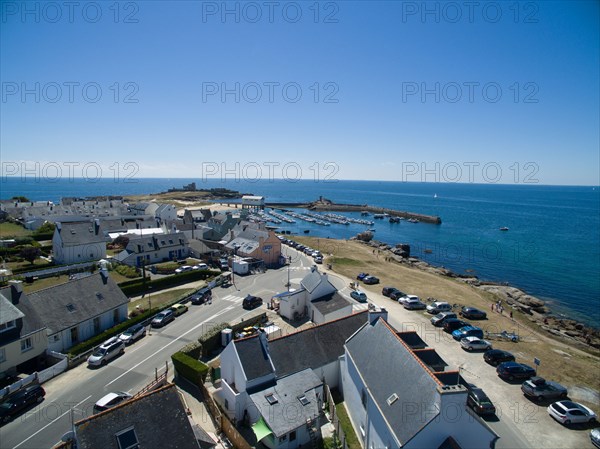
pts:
[106, 352]
[541, 389]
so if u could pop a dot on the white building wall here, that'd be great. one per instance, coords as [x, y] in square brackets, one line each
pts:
[352, 387]
[78, 253]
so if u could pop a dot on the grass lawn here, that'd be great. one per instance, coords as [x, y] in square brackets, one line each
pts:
[160, 299]
[13, 230]
[45, 283]
[351, 438]
[117, 277]
[36, 264]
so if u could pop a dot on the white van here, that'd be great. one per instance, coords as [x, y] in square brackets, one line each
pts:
[438, 307]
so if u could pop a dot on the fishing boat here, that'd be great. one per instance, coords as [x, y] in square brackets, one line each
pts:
[394, 220]
[504, 228]
[306, 231]
[413, 220]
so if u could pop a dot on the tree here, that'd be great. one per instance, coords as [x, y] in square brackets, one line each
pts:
[22, 199]
[121, 241]
[46, 228]
[30, 253]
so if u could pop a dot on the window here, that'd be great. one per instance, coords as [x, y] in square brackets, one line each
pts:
[71, 308]
[116, 315]
[292, 436]
[26, 345]
[2, 355]
[127, 439]
[96, 325]
[271, 399]
[363, 397]
[362, 431]
[8, 325]
[303, 400]
[74, 335]
[283, 438]
[226, 404]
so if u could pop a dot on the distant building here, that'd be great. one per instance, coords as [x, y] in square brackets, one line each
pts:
[253, 202]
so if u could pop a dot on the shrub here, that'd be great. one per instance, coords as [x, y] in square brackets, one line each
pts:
[166, 268]
[127, 271]
[189, 368]
[137, 287]
[211, 340]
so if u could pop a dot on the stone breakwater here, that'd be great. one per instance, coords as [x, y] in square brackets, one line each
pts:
[533, 308]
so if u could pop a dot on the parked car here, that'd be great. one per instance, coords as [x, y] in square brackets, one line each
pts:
[223, 264]
[370, 280]
[414, 304]
[319, 259]
[106, 352]
[451, 324]
[179, 309]
[201, 296]
[514, 370]
[406, 298]
[467, 331]
[19, 401]
[438, 306]
[475, 344]
[479, 402]
[132, 334]
[542, 389]
[496, 356]
[595, 436]
[396, 295]
[472, 313]
[162, 318]
[111, 400]
[387, 291]
[250, 302]
[358, 295]
[361, 276]
[440, 318]
[183, 269]
[200, 266]
[569, 412]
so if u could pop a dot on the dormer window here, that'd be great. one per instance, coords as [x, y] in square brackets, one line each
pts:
[271, 399]
[127, 439]
[70, 307]
[303, 400]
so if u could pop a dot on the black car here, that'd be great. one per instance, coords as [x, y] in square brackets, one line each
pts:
[496, 356]
[388, 291]
[479, 402]
[371, 280]
[201, 296]
[397, 295]
[20, 401]
[451, 324]
[514, 370]
[250, 302]
[472, 313]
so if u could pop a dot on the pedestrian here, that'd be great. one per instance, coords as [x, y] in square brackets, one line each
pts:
[492, 307]
[511, 314]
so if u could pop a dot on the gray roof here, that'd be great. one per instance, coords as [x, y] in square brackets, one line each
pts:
[80, 233]
[412, 339]
[314, 347]
[244, 246]
[18, 299]
[288, 413]
[141, 244]
[412, 382]
[89, 296]
[158, 418]
[331, 303]
[8, 312]
[311, 280]
[254, 357]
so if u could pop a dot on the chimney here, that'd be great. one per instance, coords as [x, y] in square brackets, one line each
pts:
[375, 313]
[16, 288]
[262, 336]
[96, 226]
[104, 274]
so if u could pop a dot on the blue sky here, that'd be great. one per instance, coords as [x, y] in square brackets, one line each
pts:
[506, 92]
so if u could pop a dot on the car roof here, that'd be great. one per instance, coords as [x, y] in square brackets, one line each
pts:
[472, 338]
[109, 397]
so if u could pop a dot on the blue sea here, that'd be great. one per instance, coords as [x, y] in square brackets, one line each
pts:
[551, 251]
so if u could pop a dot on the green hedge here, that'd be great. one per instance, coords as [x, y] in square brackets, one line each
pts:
[211, 340]
[37, 267]
[189, 368]
[137, 287]
[43, 236]
[127, 271]
[111, 332]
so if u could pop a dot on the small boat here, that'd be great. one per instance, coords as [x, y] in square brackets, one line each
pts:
[364, 213]
[394, 220]
[435, 195]
[371, 230]
[306, 231]
[379, 216]
[504, 228]
[427, 251]
[413, 220]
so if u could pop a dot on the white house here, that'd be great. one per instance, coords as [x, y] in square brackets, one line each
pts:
[166, 212]
[412, 406]
[316, 298]
[79, 309]
[144, 208]
[23, 338]
[81, 241]
[154, 248]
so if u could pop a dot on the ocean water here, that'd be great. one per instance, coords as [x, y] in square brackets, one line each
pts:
[551, 251]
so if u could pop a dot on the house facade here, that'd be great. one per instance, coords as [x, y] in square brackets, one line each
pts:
[75, 242]
[23, 338]
[256, 243]
[155, 248]
[79, 309]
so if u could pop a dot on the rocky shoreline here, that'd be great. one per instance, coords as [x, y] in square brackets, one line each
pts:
[531, 307]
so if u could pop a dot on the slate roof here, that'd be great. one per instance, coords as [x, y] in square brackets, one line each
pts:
[90, 296]
[288, 413]
[330, 303]
[412, 381]
[80, 233]
[244, 246]
[8, 312]
[314, 347]
[19, 300]
[155, 241]
[311, 280]
[431, 358]
[158, 418]
[254, 357]
[412, 339]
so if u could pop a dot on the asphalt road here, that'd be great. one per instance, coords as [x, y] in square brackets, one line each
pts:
[78, 389]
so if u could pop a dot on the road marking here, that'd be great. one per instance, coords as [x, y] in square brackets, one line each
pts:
[232, 298]
[167, 345]
[50, 423]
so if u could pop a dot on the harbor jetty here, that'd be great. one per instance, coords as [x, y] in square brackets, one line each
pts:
[323, 204]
